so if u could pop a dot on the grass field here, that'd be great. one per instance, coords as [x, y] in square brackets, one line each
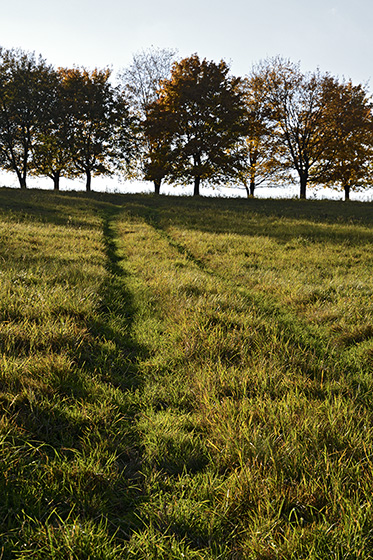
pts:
[185, 378]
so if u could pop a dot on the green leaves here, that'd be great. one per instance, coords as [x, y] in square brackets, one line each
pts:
[99, 120]
[26, 86]
[66, 122]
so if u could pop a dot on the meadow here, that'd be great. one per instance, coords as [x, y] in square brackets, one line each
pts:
[185, 378]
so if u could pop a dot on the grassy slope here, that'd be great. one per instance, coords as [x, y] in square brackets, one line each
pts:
[185, 378]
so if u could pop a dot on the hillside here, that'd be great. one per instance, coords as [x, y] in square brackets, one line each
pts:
[185, 378]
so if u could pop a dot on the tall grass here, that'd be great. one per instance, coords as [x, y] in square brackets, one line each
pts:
[185, 378]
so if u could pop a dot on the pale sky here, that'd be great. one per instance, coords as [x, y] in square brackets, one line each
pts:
[334, 35]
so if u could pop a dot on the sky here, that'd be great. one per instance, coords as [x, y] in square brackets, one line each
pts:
[332, 35]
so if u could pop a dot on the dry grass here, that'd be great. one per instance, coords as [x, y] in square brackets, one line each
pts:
[185, 379]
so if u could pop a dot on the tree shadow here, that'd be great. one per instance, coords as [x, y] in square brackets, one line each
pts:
[77, 439]
[282, 220]
[112, 329]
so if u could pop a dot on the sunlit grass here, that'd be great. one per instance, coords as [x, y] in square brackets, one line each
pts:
[185, 379]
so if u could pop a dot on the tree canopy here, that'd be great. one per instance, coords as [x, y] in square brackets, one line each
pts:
[199, 118]
[265, 157]
[297, 103]
[141, 82]
[347, 159]
[184, 121]
[26, 89]
[98, 117]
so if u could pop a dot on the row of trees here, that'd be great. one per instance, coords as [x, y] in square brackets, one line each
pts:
[67, 122]
[184, 121]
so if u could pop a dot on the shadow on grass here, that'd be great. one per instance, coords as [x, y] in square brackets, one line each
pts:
[114, 352]
[283, 220]
[57, 208]
[74, 452]
[305, 340]
[310, 221]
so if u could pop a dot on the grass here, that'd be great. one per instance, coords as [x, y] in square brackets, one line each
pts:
[185, 378]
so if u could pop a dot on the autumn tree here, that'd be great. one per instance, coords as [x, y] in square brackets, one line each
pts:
[141, 82]
[297, 102]
[26, 84]
[99, 124]
[52, 153]
[264, 152]
[199, 119]
[348, 158]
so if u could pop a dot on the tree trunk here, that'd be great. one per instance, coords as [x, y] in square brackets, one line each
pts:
[303, 186]
[56, 181]
[157, 186]
[21, 179]
[89, 180]
[197, 178]
[347, 192]
[252, 187]
[197, 181]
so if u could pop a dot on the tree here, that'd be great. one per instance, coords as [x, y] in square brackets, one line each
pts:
[52, 153]
[141, 83]
[198, 120]
[347, 160]
[297, 104]
[99, 122]
[25, 96]
[143, 78]
[264, 152]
